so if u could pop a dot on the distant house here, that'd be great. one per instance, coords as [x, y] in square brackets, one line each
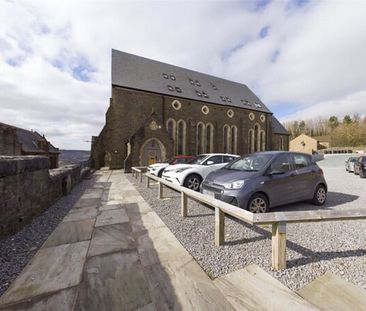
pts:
[324, 141]
[17, 141]
[305, 143]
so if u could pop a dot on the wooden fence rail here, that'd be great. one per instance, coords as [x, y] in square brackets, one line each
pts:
[278, 220]
[137, 171]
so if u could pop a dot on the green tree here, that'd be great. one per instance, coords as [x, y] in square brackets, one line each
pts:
[347, 119]
[333, 122]
[302, 127]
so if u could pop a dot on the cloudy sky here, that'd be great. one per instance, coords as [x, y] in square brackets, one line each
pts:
[304, 59]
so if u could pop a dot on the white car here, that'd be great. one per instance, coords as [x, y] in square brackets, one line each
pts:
[191, 175]
[158, 168]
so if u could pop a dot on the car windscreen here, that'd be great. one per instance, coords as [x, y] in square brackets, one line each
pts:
[198, 160]
[250, 163]
[172, 161]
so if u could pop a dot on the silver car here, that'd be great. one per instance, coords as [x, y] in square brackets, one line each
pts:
[260, 181]
[350, 164]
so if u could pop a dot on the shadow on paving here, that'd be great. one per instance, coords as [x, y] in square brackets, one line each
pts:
[128, 275]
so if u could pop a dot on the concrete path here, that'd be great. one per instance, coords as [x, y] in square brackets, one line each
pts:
[112, 252]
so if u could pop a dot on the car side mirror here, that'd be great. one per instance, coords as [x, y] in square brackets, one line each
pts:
[210, 162]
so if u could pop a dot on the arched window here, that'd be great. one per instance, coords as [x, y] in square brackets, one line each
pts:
[263, 140]
[171, 128]
[250, 141]
[181, 137]
[226, 138]
[200, 131]
[234, 138]
[256, 138]
[209, 137]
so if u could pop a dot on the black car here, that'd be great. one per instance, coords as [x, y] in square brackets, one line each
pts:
[260, 181]
[360, 167]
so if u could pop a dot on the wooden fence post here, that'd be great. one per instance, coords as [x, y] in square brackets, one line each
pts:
[160, 189]
[140, 176]
[279, 246]
[219, 227]
[184, 207]
[147, 181]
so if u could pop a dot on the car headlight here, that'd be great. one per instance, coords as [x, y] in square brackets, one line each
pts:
[238, 184]
[179, 170]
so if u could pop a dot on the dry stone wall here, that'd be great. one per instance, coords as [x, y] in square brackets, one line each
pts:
[27, 187]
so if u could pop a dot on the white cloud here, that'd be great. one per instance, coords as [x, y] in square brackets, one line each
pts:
[55, 55]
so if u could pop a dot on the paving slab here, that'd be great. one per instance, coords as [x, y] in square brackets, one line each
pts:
[113, 238]
[330, 292]
[111, 217]
[50, 270]
[106, 207]
[70, 232]
[135, 210]
[113, 282]
[81, 214]
[132, 199]
[58, 301]
[82, 203]
[148, 220]
[251, 288]
[96, 192]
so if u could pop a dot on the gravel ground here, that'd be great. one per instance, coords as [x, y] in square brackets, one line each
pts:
[18, 249]
[312, 248]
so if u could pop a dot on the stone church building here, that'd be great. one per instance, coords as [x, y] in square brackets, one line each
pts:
[159, 110]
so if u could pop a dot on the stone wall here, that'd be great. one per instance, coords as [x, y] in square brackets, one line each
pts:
[9, 145]
[28, 187]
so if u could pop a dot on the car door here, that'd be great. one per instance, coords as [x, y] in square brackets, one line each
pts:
[279, 186]
[208, 167]
[305, 176]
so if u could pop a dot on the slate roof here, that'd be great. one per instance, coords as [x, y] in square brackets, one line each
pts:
[278, 128]
[135, 72]
[29, 139]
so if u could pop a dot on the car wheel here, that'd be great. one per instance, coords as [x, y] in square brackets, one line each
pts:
[160, 173]
[258, 203]
[320, 195]
[193, 182]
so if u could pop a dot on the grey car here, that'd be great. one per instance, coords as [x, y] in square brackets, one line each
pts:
[260, 181]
